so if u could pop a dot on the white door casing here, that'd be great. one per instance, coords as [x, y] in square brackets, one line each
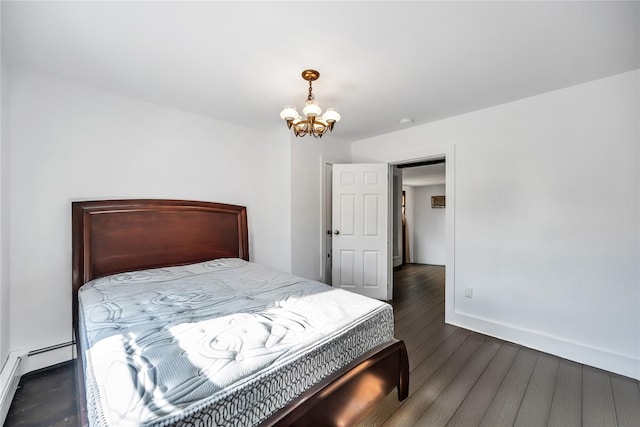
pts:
[327, 223]
[361, 229]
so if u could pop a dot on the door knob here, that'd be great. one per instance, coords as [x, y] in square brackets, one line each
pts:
[336, 232]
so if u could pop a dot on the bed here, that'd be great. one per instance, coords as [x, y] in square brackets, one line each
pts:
[124, 248]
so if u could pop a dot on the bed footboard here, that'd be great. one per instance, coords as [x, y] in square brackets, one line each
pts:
[346, 397]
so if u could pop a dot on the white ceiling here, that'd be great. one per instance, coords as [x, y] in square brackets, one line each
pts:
[240, 62]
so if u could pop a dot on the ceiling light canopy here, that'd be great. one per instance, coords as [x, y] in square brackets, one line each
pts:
[314, 123]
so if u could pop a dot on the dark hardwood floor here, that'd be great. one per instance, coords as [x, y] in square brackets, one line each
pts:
[461, 378]
[458, 377]
[45, 398]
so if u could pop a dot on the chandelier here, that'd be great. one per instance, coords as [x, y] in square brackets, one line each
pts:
[314, 124]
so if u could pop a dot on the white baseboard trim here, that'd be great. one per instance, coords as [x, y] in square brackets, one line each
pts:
[9, 379]
[598, 358]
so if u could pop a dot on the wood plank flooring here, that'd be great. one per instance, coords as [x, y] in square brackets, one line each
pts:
[458, 378]
[461, 378]
[45, 398]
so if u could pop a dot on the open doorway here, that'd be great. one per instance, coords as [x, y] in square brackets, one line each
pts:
[420, 217]
[424, 155]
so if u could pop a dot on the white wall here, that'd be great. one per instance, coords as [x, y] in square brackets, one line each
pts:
[429, 227]
[4, 207]
[546, 218]
[307, 229]
[69, 142]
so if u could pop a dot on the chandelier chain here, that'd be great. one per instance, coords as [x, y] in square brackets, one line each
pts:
[311, 97]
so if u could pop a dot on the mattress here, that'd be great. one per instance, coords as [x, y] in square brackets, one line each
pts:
[224, 342]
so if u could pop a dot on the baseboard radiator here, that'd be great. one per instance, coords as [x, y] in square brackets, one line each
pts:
[22, 362]
[9, 379]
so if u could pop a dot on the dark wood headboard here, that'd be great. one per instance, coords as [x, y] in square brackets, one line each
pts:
[113, 236]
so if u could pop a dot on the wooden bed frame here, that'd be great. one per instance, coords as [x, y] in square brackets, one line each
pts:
[113, 236]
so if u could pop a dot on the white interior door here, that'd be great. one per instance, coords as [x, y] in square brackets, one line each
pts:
[360, 242]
